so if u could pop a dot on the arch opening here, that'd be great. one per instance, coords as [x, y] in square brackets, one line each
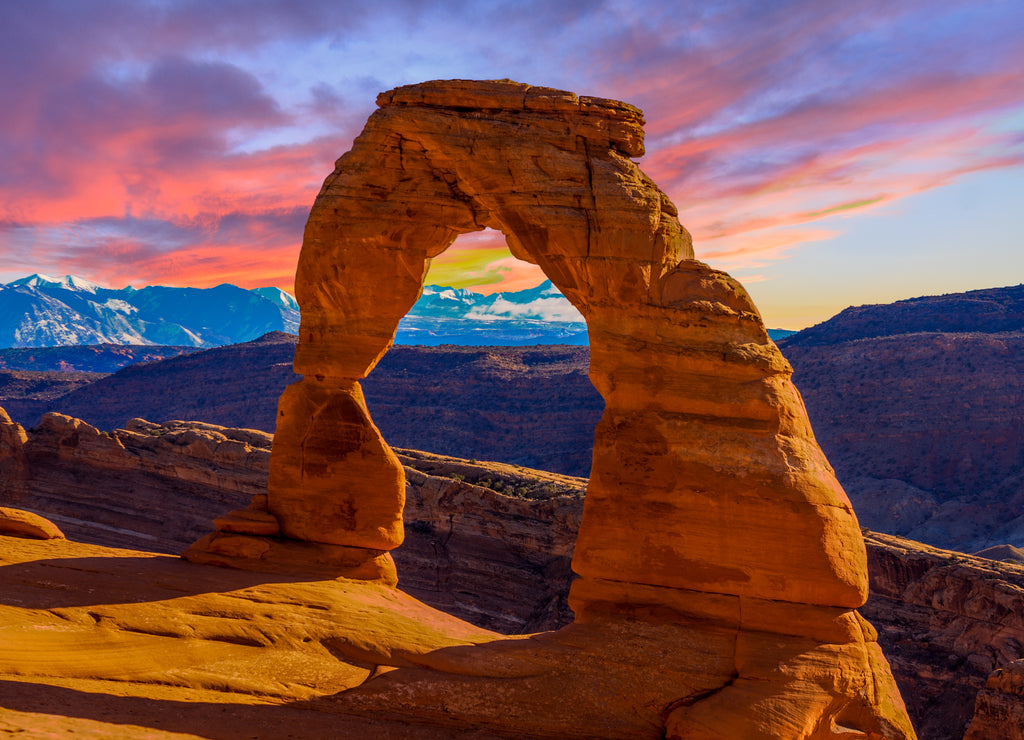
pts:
[488, 427]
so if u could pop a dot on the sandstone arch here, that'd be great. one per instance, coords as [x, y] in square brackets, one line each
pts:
[709, 498]
[678, 350]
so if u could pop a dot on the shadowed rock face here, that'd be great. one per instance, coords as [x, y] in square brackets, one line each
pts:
[716, 549]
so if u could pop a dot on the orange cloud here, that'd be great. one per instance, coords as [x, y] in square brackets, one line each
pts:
[768, 123]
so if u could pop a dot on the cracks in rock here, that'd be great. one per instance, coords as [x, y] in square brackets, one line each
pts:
[693, 699]
[306, 436]
[593, 227]
[401, 152]
[441, 556]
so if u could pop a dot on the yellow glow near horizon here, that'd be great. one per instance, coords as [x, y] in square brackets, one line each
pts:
[482, 262]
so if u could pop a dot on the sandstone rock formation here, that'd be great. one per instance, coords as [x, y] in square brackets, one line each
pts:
[949, 622]
[149, 486]
[13, 469]
[1000, 708]
[17, 523]
[720, 562]
[492, 544]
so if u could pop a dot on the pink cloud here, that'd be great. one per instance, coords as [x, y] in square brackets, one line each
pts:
[768, 123]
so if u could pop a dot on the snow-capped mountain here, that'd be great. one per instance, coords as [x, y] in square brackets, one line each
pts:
[42, 311]
[539, 315]
[69, 282]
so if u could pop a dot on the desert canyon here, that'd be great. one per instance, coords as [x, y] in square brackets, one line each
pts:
[719, 565]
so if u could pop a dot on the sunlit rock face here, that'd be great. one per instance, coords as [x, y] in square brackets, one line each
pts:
[719, 559]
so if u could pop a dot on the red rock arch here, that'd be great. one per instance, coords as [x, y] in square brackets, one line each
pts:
[706, 476]
[715, 546]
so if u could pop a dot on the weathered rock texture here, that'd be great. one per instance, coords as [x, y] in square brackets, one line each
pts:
[148, 486]
[18, 523]
[720, 562]
[947, 621]
[13, 469]
[1000, 708]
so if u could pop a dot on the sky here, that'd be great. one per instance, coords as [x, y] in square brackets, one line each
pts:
[825, 154]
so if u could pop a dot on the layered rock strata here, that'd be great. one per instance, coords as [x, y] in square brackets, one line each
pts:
[949, 623]
[488, 542]
[720, 562]
[147, 486]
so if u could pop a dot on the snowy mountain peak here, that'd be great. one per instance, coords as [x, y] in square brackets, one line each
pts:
[443, 292]
[68, 282]
[278, 297]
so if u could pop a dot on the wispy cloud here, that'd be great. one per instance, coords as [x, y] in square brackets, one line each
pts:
[183, 142]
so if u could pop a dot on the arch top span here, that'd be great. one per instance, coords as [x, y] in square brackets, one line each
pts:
[549, 169]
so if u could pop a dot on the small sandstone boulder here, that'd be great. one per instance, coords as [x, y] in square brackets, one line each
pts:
[18, 523]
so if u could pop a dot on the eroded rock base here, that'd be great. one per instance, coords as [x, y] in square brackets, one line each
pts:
[248, 539]
[167, 636]
[284, 556]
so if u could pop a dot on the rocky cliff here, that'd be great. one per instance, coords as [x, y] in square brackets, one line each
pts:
[145, 486]
[924, 429]
[926, 433]
[949, 623]
[489, 542]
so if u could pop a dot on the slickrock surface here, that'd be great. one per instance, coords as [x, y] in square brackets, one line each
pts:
[713, 527]
[116, 636]
[113, 643]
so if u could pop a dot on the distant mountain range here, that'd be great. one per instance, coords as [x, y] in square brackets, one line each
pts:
[42, 311]
[990, 310]
[923, 421]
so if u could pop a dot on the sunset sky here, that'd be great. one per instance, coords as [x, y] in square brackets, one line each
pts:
[825, 153]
